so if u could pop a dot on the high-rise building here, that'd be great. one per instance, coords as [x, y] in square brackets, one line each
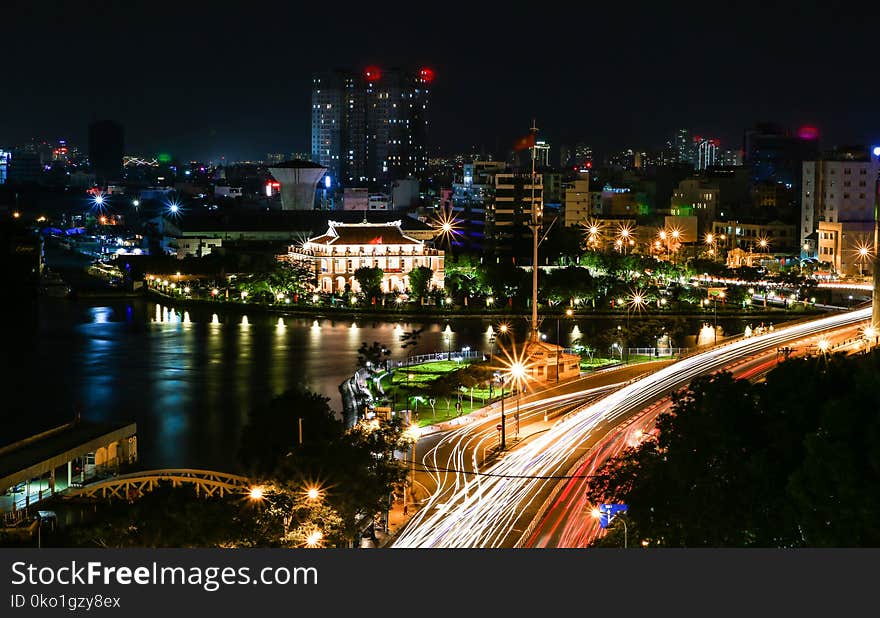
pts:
[510, 212]
[728, 158]
[327, 121]
[705, 152]
[583, 155]
[837, 209]
[542, 154]
[5, 155]
[775, 155]
[397, 123]
[371, 128]
[683, 146]
[106, 149]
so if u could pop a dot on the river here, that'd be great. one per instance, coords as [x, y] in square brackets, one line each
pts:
[188, 376]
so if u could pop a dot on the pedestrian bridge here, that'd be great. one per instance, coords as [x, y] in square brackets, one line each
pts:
[207, 483]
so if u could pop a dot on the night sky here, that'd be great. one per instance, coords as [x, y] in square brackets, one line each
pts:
[229, 79]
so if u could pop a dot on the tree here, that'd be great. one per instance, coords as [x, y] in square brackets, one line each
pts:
[370, 279]
[420, 281]
[372, 355]
[410, 339]
[789, 462]
[176, 517]
[272, 430]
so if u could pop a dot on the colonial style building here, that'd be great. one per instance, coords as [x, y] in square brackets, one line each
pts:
[345, 247]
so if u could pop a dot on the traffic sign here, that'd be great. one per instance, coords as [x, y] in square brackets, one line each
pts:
[609, 512]
[498, 427]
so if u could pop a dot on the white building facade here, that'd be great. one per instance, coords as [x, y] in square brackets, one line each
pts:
[345, 247]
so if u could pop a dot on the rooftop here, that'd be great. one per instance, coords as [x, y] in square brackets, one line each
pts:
[386, 233]
[297, 164]
[43, 447]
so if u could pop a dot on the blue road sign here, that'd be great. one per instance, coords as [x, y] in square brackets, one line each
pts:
[609, 512]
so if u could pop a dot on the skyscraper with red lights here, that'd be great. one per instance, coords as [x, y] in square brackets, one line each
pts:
[371, 128]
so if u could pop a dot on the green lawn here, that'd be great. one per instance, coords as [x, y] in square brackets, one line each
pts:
[409, 388]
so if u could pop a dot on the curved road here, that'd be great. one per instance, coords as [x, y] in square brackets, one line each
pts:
[496, 506]
[567, 521]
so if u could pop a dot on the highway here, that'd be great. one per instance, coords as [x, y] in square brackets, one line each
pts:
[473, 445]
[497, 506]
[567, 521]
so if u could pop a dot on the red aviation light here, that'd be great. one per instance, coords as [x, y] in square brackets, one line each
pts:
[372, 73]
[808, 132]
[426, 75]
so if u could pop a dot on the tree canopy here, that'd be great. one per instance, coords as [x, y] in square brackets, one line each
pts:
[790, 462]
[370, 280]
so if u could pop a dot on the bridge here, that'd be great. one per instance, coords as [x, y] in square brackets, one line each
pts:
[207, 483]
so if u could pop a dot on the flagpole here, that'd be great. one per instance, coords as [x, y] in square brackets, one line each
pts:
[536, 228]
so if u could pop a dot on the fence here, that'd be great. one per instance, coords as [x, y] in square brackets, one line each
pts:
[627, 353]
[456, 355]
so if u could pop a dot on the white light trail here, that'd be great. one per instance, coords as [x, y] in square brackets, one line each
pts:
[481, 511]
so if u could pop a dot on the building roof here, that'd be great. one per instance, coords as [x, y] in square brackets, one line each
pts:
[297, 164]
[49, 448]
[387, 233]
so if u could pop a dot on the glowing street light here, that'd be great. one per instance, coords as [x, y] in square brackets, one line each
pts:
[256, 493]
[863, 252]
[314, 538]
[313, 493]
[823, 344]
[447, 226]
[594, 230]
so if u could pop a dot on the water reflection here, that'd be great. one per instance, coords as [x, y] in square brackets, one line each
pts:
[189, 382]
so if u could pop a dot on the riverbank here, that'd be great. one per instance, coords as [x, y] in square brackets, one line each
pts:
[433, 313]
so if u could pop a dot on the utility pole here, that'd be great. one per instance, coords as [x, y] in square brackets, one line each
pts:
[536, 230]
[875, 296]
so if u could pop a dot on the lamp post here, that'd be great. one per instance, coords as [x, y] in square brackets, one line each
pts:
[568, 313]
[500, 379]
[412, 432]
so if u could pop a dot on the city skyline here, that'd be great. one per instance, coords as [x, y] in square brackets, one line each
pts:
[606, 81]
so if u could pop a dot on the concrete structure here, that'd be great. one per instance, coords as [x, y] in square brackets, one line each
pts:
[747, 235]
[345, 247]
[838, 244]
[508, 215]
[299, 180]
[405, 193]
[196, 246]
[227, 191]
[68, 455]
[835, 191]
[696, 197]
[577, 201]
[355, 198]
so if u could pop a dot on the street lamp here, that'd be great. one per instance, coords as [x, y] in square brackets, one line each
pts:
[500, 378]
[568, 313]
[710, 241]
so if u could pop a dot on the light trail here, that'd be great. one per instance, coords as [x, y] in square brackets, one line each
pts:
[484, 511]
[568, 522]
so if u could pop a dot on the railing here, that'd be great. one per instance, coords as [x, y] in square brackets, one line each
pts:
[628, 352]
[206, 482]
[456, 355]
